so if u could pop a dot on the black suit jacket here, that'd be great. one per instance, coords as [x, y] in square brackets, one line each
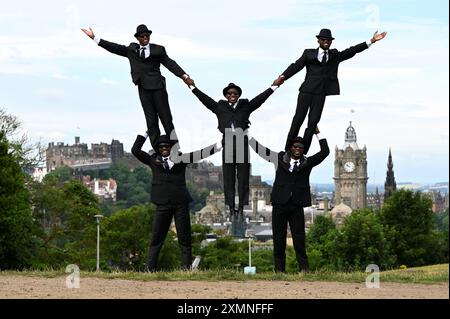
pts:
[322, 78]
[145, 72]
[239, 115]
[293, 184]
[169, 186]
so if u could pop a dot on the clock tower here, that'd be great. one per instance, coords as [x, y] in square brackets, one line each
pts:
[350, 172]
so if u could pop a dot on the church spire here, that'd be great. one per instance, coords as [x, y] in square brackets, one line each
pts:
[389, 185]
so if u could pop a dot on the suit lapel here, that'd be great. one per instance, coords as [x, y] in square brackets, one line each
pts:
[283, 163]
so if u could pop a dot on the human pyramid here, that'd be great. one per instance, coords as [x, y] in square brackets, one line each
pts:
[291, 188]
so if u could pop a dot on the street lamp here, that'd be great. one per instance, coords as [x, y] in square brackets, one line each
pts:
[98, 217]
[249, 233]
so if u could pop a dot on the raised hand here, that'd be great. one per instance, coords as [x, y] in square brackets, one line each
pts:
[89, 32]
[377, 37]
[278, 81]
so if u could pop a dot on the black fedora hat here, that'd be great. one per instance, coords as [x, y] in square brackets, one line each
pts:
[232, 86]
[142, 28]
[164, 139]
[325, 34]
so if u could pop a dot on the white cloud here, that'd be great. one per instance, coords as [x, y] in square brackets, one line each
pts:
[109, 82]
[50, 93]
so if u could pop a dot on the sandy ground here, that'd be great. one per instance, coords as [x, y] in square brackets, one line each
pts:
[13, 287]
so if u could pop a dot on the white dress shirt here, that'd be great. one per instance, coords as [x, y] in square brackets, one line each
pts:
[293, 161]
[171, 164]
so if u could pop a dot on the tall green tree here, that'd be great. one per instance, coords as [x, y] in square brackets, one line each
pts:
[66, 212]
[17, 241]
[320, 242]
[410, 217]
[363, 240]
[322, 225]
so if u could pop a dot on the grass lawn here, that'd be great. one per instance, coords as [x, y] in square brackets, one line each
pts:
[424, 275]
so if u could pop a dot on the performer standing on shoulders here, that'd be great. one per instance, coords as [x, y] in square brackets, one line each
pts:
[233, 119]
[145, 59]
[320, 80]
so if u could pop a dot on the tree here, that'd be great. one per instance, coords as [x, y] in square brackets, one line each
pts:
[320, 241]
[17, 242]
[26, 154]
[363, 240]
[66, 212]
[126, 237]
[62, 174]
[410, 217]
[322, 225]
[225, 252]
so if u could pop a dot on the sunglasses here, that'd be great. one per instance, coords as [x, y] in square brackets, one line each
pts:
[233, 93]
[142, 36]
[325, 40]
[164, 146]
[297, 146]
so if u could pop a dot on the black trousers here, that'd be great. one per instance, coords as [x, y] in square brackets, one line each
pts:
[232, 168]
[314, 103]
[282, 215]
[160, 228]
[156, 105]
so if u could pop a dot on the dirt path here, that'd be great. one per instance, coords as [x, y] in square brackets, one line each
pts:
[95, 288]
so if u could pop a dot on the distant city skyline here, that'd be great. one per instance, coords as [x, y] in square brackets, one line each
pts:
[61, 84]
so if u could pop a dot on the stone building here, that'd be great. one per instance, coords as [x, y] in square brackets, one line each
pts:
[350, 172]
[79, 157]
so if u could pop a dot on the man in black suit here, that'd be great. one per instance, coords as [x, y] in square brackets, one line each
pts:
[169, 194]
[233, 119]
[145, 60]
[320, 80]
[290, 193]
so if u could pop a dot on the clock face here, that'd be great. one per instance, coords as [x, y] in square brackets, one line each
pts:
[349, 167]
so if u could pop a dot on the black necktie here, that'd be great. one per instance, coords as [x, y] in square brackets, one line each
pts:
[166, 164]
[143, 53]
[324, 58]
[295, 166]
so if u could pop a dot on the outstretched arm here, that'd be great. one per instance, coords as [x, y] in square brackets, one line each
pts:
[350, 52]
[291, 70]
[137, 151]
[109, 46]
[317, 158]
[257, 101]
[205, 99]
[171, 65]
[196, 156]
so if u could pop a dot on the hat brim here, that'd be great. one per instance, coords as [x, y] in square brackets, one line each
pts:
[321, 37]
[225, 90]
[142, 32]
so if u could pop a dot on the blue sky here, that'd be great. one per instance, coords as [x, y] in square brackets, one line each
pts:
[61, 84]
